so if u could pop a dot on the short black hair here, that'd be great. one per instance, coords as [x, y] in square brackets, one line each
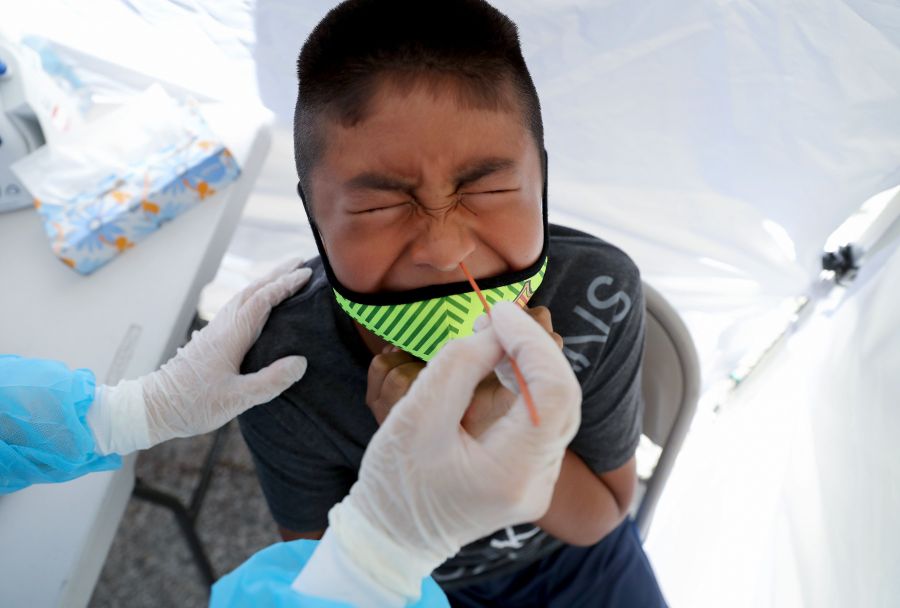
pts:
[467, 42]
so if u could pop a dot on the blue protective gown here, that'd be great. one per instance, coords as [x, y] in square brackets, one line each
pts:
[265, 580]
[44, 438]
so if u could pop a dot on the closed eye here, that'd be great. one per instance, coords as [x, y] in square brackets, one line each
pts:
[500, 191]
[376, 209]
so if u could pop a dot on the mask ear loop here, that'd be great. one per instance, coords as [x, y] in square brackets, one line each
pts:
[309, 217]
[545, 163]
[320, 244]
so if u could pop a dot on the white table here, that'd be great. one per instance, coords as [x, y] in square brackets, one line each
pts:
[121, 322]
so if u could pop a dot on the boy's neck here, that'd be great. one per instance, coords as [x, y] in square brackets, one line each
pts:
[374, 343]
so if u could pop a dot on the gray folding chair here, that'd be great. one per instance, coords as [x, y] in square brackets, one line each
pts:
[670, 378]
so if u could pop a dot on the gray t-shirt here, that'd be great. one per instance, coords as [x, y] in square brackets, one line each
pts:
[308, 443]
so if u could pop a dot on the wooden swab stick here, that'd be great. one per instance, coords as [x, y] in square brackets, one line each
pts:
[520, 379]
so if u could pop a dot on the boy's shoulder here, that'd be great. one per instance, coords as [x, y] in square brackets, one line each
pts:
[306, 318]
[584, 267]
[574, 254]
[593, 291]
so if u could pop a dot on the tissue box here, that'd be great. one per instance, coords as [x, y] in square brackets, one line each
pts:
[108, 192]
[92, 232]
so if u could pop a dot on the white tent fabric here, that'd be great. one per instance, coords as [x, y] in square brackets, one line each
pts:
[789, 497]
[718, 142]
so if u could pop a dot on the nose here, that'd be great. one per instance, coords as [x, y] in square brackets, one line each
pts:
[444, 242]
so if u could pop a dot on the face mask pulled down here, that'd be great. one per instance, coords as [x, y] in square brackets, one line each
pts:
[422, 327]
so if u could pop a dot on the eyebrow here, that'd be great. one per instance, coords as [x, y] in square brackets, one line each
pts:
[468, 174]
[482, 168]
[378, 181]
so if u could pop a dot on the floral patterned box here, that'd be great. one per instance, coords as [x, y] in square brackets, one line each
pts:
[99, 214]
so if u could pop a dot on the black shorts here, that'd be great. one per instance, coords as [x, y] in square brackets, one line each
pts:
[614, 573]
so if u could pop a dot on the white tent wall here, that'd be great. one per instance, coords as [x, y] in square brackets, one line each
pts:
[719, 143]
[789, 497]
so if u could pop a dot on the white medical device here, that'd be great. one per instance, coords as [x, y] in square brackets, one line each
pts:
[33, 110]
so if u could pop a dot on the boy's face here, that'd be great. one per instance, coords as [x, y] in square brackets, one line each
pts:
[423, 183]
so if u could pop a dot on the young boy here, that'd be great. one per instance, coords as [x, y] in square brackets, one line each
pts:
[419, 145]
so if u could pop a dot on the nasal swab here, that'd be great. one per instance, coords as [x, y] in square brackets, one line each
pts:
[523, 387]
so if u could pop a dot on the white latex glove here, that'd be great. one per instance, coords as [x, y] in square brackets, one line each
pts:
[201, 387]
[426, 487]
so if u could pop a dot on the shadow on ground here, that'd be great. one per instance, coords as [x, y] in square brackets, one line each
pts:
[149, 563]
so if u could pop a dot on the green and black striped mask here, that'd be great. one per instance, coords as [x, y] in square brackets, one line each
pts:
[422, 327]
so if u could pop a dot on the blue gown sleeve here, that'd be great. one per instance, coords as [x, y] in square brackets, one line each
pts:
[265, 580]
[44, 436]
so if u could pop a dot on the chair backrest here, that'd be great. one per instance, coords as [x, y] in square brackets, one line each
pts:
[670, 379]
